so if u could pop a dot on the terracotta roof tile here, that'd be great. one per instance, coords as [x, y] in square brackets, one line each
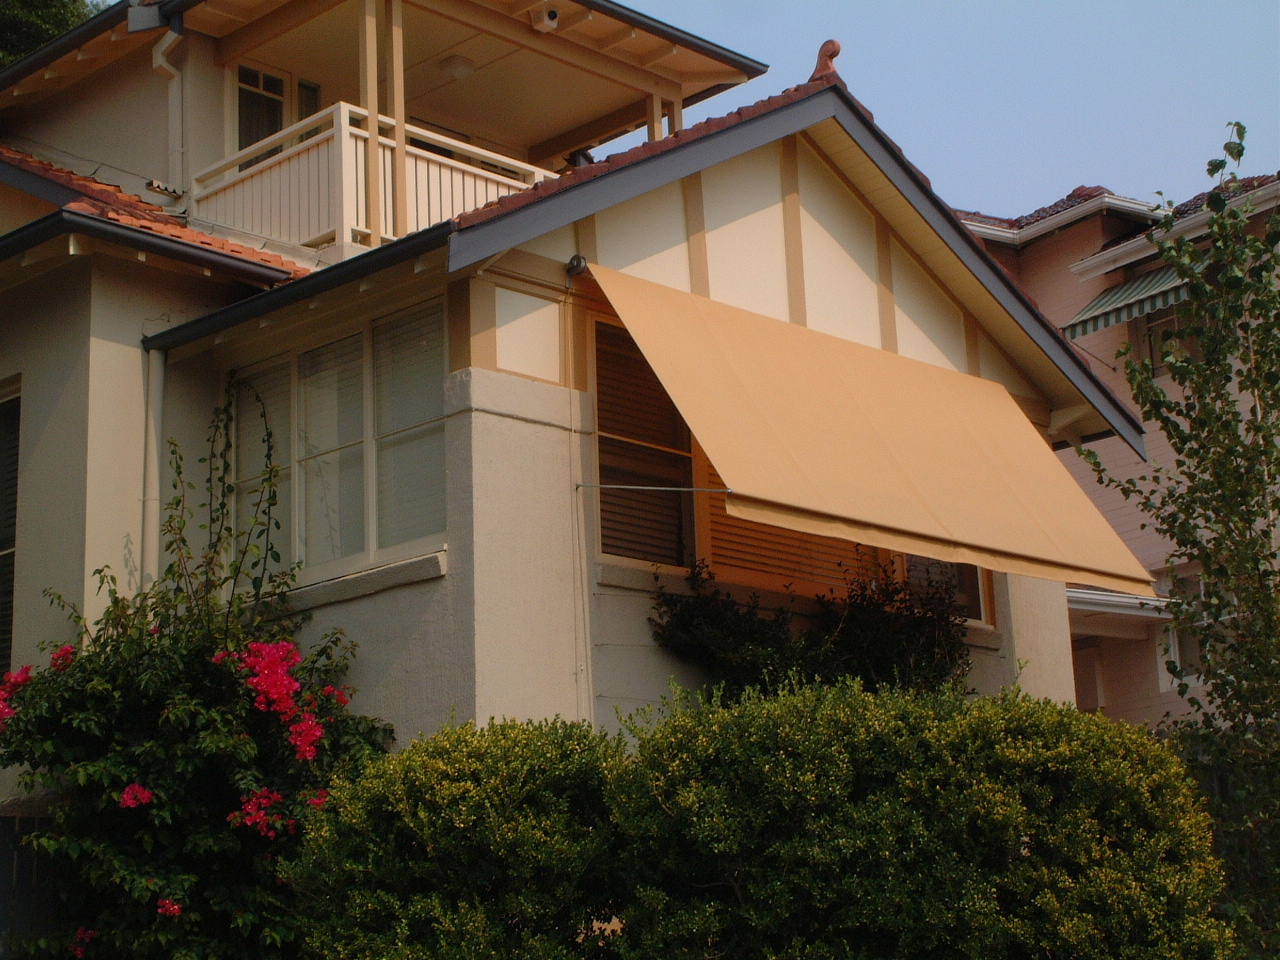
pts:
[1076, 197]
[644, 151]
[108, 202]
[1231, 187]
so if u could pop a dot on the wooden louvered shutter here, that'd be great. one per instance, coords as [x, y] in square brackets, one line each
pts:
[771, 558]
[9, 417]
[643, 442]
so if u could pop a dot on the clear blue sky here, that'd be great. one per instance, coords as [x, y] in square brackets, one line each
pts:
[1007, 105]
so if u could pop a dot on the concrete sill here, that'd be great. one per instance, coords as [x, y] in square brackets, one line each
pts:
[366, 582]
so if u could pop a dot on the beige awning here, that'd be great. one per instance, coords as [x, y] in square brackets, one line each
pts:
[826, 436]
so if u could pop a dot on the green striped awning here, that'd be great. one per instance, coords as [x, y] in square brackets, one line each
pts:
[1127, 301]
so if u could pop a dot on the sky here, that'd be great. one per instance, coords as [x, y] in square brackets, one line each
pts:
[1008, 105]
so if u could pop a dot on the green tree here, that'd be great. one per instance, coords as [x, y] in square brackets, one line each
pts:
[183, 739]
[1218, 503]
[26, 25]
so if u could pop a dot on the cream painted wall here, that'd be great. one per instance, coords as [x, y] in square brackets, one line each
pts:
[646, 237]
[838, 236]
[742, 202]
[558, 245]
[994, 365]
[930, 326]
[204, 88]
[117, 117]
[44, 339]
[528, 334]
[1033, 640]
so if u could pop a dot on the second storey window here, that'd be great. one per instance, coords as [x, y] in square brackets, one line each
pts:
[358, 430]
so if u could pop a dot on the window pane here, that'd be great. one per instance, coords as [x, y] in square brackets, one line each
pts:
[653, 525]
[963, 581]
[250, 513]
[333, 491]
[408, 364]
[273, 85]
[260, 117]
[411, 485]
[308, 99]
[331, 410]
[6, 610]
[9, 417]
[262, 404]
[249, 77]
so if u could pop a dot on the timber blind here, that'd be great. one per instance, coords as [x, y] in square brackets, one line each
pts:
[9, 416]
[643, 441]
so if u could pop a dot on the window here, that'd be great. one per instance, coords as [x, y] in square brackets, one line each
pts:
[10, 411]
[29, 901]
[266, 103]
[358, 432]
[1164, 338]
[965, 582]
[643, 442]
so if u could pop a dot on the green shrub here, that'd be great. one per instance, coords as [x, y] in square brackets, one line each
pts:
[828, 822]
[491, 843]
[823, 822]
[884, 631]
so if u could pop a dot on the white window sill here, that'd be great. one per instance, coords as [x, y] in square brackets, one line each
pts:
[367, 582]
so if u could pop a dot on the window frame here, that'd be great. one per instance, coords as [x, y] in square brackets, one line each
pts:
[290, 109]
[11, 393]
[372, 555]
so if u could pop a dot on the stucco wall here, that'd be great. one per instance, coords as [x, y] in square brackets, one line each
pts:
[44, 340]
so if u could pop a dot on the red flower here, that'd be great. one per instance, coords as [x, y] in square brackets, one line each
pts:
[62, 657]
[320, 799]
[12, 681]
[155, 629]
[168, 908]
[83, 937]
[271, 663]
[338, 693]
[254, 809]
[136, 795]
[305, 734]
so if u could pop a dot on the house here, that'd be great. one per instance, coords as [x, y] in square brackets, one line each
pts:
[1087, 263]
[509, 383]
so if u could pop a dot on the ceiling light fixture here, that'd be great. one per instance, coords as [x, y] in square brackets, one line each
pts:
[457, 68]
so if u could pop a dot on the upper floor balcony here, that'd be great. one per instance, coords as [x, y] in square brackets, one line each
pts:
[308, 184]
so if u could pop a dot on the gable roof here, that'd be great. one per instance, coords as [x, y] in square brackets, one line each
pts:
[478, 235]
[87, 197]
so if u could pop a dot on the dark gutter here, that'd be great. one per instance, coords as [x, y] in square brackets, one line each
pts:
[312, 285]
[752, 68]
[66, 221]
[59, 47]
[491, 237]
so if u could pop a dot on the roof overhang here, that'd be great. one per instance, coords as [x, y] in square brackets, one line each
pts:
[68, 222]
[1107, 203]
[1141, 248]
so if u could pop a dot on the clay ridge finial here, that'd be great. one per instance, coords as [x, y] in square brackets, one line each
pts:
[826, 66]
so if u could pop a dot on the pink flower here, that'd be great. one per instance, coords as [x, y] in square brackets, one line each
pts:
[168, 908]
[254, 809]
[155, 629]
[62, 657]
[83, 937]
[136, 795]
[305, 734]
[319, 800]
[338, 693]
[12, 681]
[271, 680]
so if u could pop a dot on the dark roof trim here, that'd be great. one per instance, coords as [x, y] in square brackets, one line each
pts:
[59, 47]
[752, 68]
[491, 237]
[37, 186]
[312, 285]
[66, 221]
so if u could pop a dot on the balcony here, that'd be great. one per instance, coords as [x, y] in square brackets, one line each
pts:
[309, 184]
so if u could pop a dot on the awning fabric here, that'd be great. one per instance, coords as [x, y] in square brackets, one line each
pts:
[826, 436]
[1127, 301]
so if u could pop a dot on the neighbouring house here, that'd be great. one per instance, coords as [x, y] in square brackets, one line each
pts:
[1088, 265]
[510, 384]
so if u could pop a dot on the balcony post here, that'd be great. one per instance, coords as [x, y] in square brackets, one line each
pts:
[369, 29]
[343, 177]
[395, 94]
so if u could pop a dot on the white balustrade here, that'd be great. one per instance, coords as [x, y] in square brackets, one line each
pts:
[311, 191]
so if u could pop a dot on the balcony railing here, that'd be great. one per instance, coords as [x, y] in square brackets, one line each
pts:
[310, 189]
